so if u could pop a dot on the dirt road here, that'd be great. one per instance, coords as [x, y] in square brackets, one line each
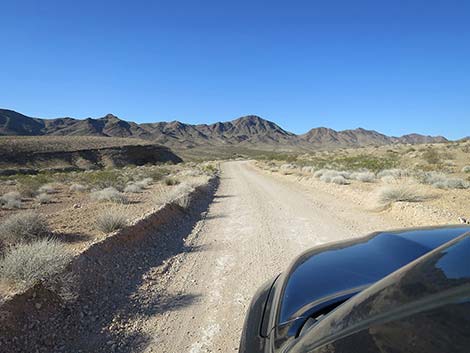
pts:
[253, 229]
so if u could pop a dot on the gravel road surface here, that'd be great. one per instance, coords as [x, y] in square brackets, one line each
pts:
[253, 229]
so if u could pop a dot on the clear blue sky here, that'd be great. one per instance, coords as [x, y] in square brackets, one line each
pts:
[391, 65]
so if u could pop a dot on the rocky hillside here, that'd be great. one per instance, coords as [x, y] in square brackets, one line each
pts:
[249, 131]
[32, 154]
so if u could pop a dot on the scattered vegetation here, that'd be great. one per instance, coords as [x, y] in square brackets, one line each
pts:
[24, 226]
[442, 181]
[47, 189]
[174, 195]
[26, 264]
[44, 198]
[171, 181]
[11, 200]
[133, 188]
[110, 194]
[431, 156]
[365, 177]
[78, 188]
[111, 220]
[396, 193]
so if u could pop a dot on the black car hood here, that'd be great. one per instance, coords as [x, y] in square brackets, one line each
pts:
[346, 268]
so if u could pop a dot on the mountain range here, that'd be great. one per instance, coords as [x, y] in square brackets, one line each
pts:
[248, 131]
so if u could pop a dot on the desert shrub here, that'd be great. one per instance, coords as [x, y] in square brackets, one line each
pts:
[133, 188]
[395, 173]
[365, 177]
[47, 189]
[23, 227]
[399, 193]
[441, 181]
[78, 188]
[111, 220]
[44, 198]
[308, 170]
[368, 162]
[155, 173]
[28, 185]
[109, 194]
[107, 178]
[144, 183]
[466, 169]
[171, 195]
[198, 181]
[171, 181]
[24, 265]
[319, 173]
[287, 166]
[11, 200]
[208, 168]
[340, 180]
[328, 175]
[183, 201]
[431, 156]
[388, 179]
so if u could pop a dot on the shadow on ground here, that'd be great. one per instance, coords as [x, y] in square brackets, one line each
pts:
[110, 279]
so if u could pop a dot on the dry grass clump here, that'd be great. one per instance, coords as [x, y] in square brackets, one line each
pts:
[396, 193]
[133, 188]
[442, 181]
[466, 169]
[144, 183]
[111, 220]
[365, 177]
[287, 168]
[174, 195]
[27, 264]
[171, 181]
[388, 179]
[47, 189]
[333, 176]
[340, 180]
[11, 200]
[198, 181]
[308, 170]
[25, 226]
[78, 188]
[44, 198]
[110, 194]
[394, 173]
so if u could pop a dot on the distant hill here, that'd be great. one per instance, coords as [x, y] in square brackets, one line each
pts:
[248, 131]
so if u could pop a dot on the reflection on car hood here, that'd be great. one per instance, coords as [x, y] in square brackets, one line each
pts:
[322, 272]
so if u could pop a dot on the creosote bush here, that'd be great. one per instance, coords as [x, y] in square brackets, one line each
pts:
[11, 200]
[24, 226]
[466, 169]
[396, 193]
[109, 194]
[111, 220]
[26, 264]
